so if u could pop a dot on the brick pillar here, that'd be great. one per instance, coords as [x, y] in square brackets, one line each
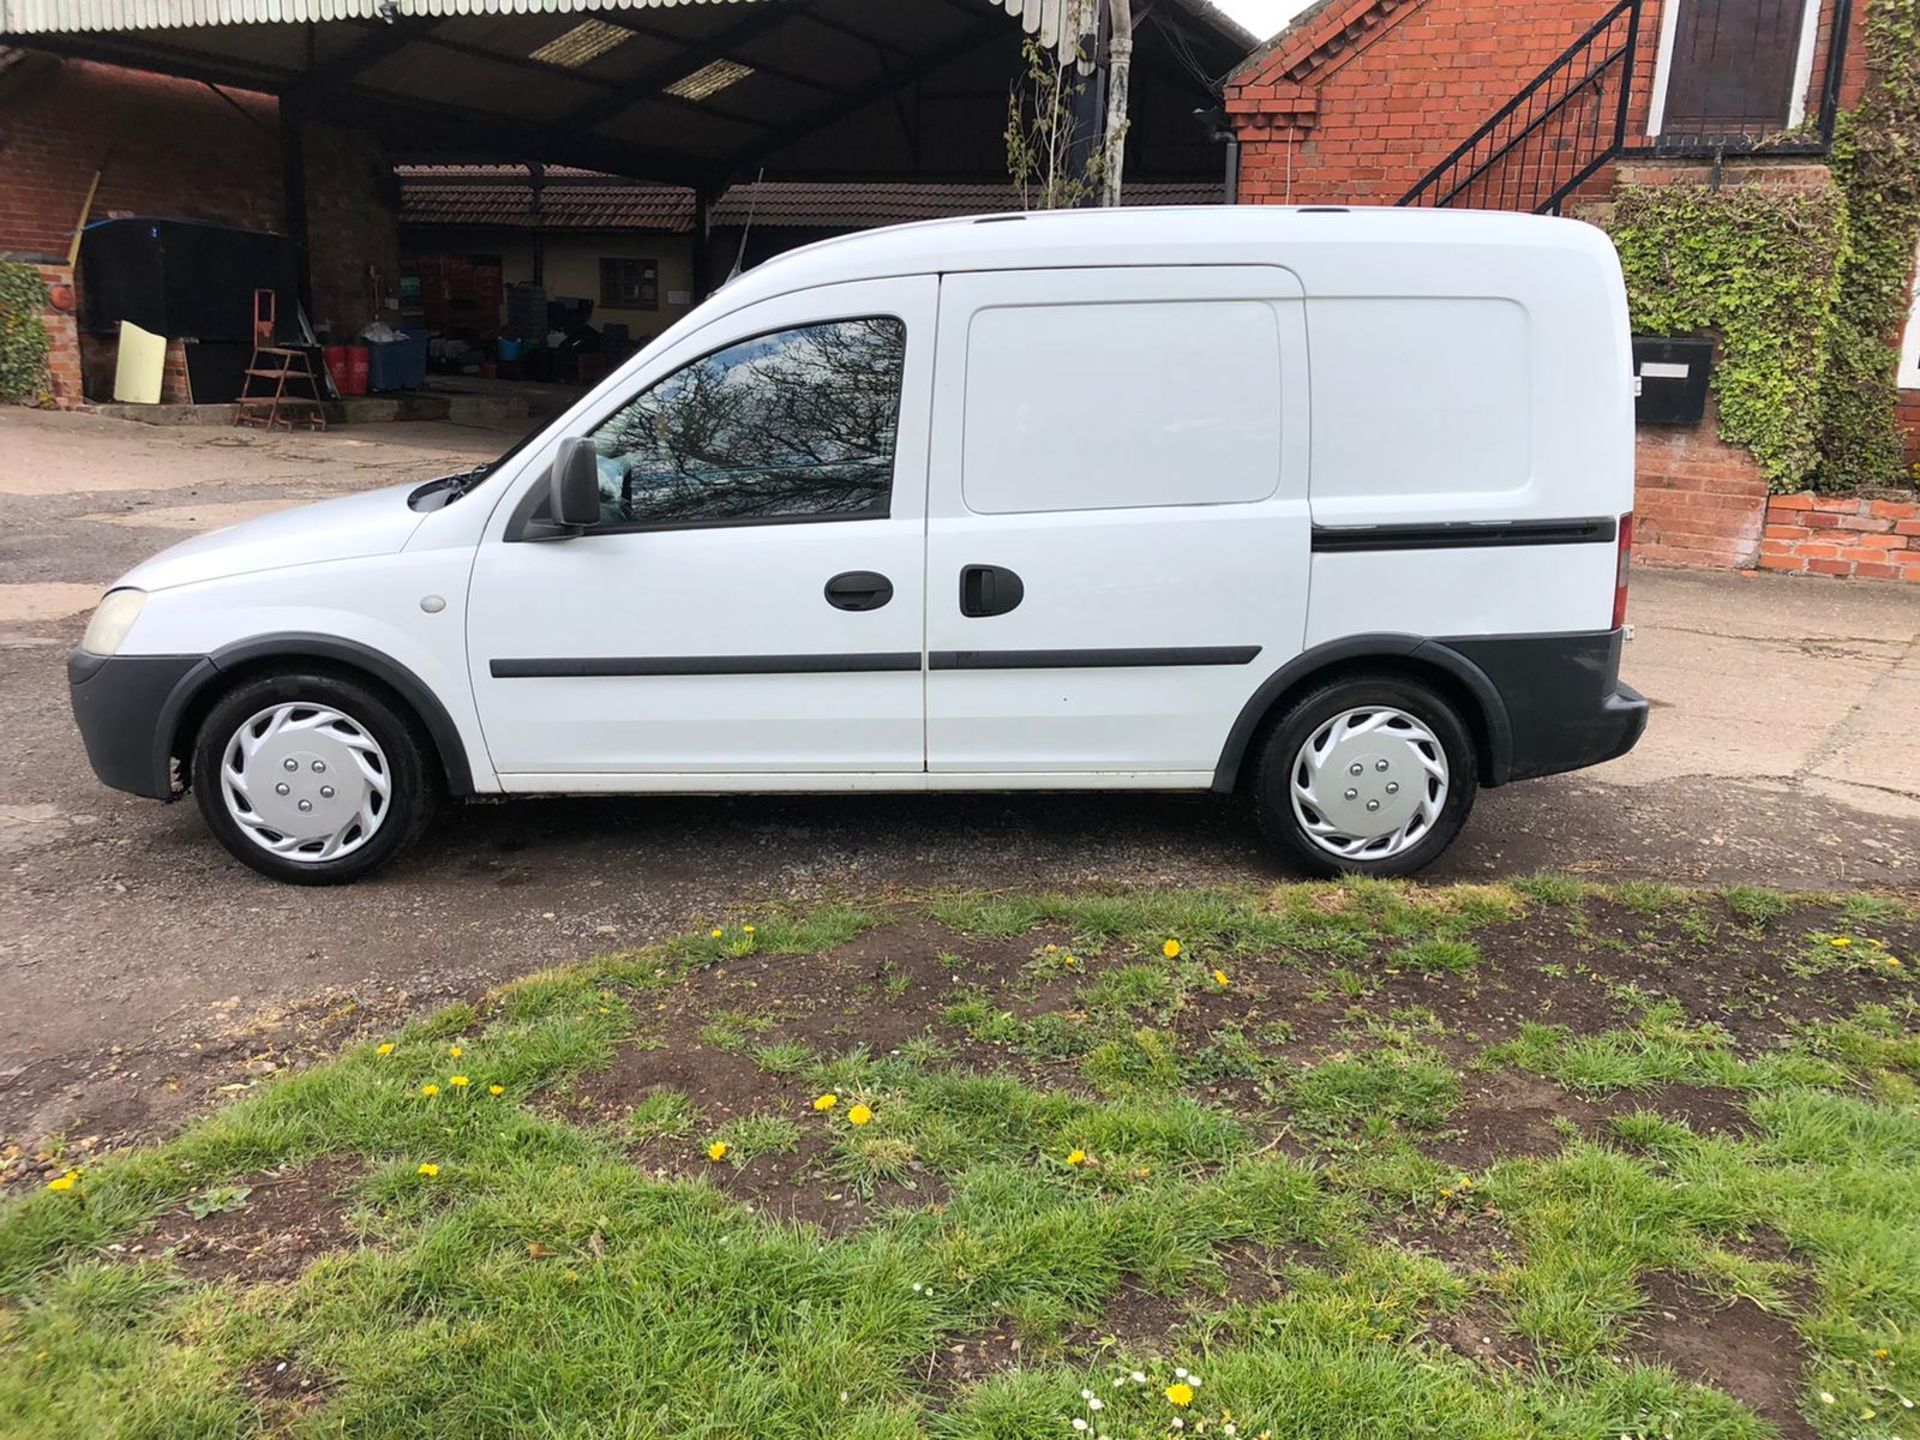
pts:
[63, 334]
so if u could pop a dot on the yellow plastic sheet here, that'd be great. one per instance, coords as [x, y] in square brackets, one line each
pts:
[143, 358]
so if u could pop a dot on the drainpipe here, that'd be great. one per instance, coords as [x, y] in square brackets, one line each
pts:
[1220, 130]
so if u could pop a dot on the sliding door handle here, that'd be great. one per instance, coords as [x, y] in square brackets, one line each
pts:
[989, 590]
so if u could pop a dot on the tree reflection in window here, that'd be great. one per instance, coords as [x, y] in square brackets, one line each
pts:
[796, 424]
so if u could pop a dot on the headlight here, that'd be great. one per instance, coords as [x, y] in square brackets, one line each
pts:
[112, 620]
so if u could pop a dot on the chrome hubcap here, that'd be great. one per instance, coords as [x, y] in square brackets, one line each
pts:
[1369, 783]
[305, 782]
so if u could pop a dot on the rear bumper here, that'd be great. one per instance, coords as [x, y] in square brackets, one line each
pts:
[128, 708]
[1566, 706]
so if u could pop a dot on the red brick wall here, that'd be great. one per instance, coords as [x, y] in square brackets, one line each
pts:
[1697, 500]
[1843, 536]
[1364, 125]
[173, 147]
[1906, 415]
[63, 357]
[162, 146]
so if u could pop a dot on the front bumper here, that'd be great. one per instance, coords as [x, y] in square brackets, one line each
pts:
[1566, 706]
[128, 709]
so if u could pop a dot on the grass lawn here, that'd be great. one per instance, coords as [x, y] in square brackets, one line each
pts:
[1320, 1161]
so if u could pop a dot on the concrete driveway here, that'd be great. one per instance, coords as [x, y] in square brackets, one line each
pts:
[1780, 752]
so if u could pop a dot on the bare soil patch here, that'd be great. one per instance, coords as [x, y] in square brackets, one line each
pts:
[287, 1386]
[1756, 1357]
[1703, 1109]
[1479, 1332]
[969, 1359]
[289, 1220]
[1508, 1114]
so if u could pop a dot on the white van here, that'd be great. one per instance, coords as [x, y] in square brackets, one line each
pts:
[1329, 508]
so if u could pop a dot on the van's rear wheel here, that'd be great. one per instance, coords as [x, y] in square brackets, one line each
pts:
[1369, 775]
[311, 778]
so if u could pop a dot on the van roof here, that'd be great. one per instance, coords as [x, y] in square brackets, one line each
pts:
[1158, 235]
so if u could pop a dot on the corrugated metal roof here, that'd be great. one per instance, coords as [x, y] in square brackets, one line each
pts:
[501, 195]
[53, 17]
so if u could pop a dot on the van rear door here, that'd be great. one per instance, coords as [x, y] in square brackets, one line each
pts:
[1118, 527]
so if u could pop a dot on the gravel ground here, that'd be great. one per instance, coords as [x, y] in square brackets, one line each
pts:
[142, 967]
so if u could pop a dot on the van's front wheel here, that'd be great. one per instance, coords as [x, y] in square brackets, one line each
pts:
[1366, 776]
[311, 778]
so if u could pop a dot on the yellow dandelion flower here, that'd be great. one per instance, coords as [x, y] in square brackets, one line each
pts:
[1076, 1157]
[825, 1102]
[1179, 1394]
[1840, 942]
[429, 1090]
[64, 1182]
[428, 1169]
[717, 1150]
[455, 1051]
[746, 929]
[459, 1082]
[1070, 961]
[1220, 979]
[1881, 1353]
[718, 932]
[385, 1048]
[496, 1089]
[1892, 964]
[859, 1115]
[1466, 1182]
[1171, 949]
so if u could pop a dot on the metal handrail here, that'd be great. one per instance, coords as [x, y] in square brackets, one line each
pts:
[1511, 134]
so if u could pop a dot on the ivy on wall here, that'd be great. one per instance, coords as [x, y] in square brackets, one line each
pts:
[23, 336]
[1807, 289]
[1876, 163]
[1761, 266]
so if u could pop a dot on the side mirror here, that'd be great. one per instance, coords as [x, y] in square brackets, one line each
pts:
[573, 489]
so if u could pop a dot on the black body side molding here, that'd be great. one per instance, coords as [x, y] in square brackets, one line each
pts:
[1116, 659]
[1466, 534]
[620, 666]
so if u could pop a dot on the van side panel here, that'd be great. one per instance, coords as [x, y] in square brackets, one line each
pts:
[1494, 590]
[1472, 437]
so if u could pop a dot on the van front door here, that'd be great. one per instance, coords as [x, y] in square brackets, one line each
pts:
[750, 606]
[1118, 530]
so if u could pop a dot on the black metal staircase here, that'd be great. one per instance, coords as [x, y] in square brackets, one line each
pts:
[1549, 139]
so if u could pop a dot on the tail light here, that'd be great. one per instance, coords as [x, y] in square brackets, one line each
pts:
[1620, 572]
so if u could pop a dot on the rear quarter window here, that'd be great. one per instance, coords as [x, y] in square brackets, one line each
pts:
[1420, 396]
[1120, 405]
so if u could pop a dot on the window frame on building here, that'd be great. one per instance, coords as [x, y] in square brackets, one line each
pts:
[621, 275]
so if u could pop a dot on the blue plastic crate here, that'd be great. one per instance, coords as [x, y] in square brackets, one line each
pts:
[398, 365]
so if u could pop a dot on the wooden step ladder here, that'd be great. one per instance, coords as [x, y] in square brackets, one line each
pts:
[280, 364]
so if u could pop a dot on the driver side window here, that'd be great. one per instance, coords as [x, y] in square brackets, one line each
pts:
[796, 424]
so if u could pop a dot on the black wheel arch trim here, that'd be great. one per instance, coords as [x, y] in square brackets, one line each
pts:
[1418, 649]
[298, 646]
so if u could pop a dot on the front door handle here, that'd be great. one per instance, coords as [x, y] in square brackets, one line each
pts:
[859, 590]
[989, 590]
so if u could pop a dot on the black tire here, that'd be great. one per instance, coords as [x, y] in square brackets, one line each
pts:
[409, 805]
[1272, 788]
